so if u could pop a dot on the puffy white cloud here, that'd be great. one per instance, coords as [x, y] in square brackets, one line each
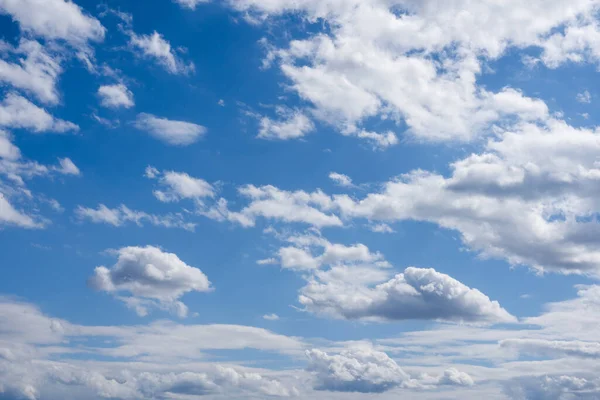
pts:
[271, 317]
[54, 19]
[356, 370]
[560, 387]
[176, 186]
[191, 4]
[293, 124]
[18, 112]
[67, 167]
[341, 179]
[37, 72]
[115, 96]
[415, 294]
[175, 133]
[123, 214]
[8, 150]
[152, 277]
[584, 97]
[157, 47]
[10, 216]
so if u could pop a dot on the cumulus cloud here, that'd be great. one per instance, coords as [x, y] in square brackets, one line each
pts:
[355, 370]
[191, 4]
[54, 19]
[417, 293]
[156, 47]
[18, 112]
[67, 167]
[115, 96]
[175, 133]
[558, 387]
[176, 186]
[122, 215]
[291, 125]
[151, 277]
[11, 216]
[36, 73]
[341, 179]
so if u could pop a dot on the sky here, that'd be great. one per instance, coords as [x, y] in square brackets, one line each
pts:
[309, 199]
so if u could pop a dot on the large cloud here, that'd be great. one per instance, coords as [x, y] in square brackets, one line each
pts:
[152, 277]
[415, 294]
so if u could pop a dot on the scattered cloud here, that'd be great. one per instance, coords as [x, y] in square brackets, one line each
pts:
[155, 46]
[115, 96]
[17, 112]
[122, 215]
[171, 132]
[341, 179]
[152, 277]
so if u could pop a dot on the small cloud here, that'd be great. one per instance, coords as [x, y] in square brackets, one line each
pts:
[341, 179]
[221, 103]
[271, 317]
[584, 97]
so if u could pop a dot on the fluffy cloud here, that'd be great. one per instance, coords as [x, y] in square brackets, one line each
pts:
[176, 186]
[341, 179]
[152, 277]
[356, 370]
[54, 19]
[18, 112]
[561, 387]
[415, 294]
[292, 125]
[115, 96]
[37, 72]
[122, 215]
[191, 4]
[532, 185]
[175, 133]
[155, 46]
[67, 167]
[10, 216]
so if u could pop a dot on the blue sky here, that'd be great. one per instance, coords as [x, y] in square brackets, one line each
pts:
[317, 199]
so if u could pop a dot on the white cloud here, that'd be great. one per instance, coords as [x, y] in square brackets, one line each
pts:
[8, 150]
[356, 370]
[67, 167]
[18, 112]
[54, 19]
[157, 47]
[191, 4]
[115, 96]
[554, 348]
[175, 133]
[176, 186]
[341, 179]
[584, 97]
[122, 215]
[292, 124]
[560, 387]
[271, 317]
[415, 294]
[381, 228]
[152, 277]
[10, 216]
[37, 73]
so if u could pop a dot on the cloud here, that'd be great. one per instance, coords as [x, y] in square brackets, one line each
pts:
[271, 317]
[122, 215]
[54, 19]
[36, 73]
[155, 46]
[417, 293]
[152, 277]
[355, 370]
[560, 387]
[176, 186]
[67, 167]
[8, 150]
[115, 96]
[10, 216]
[174, 133]
[584, 97]
[554, 348]
[19, 113]
[191, 4]
[341, 179]
[292, 125]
